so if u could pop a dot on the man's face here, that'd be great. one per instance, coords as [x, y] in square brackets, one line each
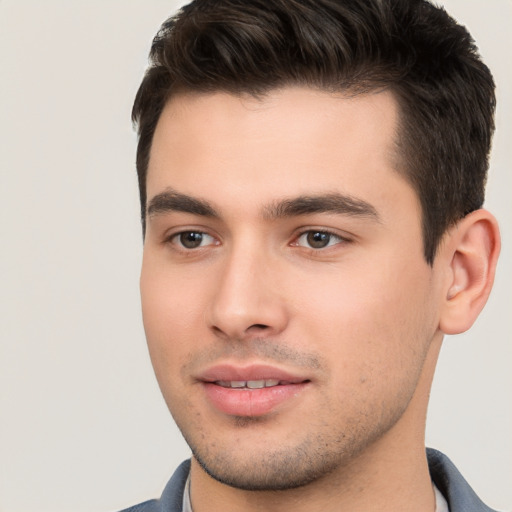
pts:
[287, 305]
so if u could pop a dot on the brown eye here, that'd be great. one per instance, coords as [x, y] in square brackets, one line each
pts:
[192, 239]
[318, 239]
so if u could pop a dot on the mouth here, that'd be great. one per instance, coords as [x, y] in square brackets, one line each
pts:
[251, 391]
[251, 384]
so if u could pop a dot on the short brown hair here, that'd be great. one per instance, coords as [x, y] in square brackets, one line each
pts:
[430, 63]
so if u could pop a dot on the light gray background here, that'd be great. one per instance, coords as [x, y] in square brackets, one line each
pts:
[82, 425]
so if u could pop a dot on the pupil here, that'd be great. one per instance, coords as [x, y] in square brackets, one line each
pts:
[191, 239]
[318, 239]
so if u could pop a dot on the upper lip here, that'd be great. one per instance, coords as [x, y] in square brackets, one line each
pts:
[252, 372]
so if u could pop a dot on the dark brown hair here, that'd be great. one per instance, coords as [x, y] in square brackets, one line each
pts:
[429, 62]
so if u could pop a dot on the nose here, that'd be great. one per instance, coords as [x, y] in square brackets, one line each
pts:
[247, 301]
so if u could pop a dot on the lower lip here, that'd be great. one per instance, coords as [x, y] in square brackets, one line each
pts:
[251, 402]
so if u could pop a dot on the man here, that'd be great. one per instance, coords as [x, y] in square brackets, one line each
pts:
[311, 177]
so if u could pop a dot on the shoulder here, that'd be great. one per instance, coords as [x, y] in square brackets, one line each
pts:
[172, 496]
[456, 490]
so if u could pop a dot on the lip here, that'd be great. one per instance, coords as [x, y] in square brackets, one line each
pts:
[250, 402]
[250, 372]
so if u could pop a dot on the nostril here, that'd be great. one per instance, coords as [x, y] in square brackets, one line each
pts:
[258, 326]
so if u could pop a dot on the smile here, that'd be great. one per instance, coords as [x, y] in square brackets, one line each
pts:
[251, 390]
[250, 384]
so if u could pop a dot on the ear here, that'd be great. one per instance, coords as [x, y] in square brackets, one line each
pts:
[470, 253]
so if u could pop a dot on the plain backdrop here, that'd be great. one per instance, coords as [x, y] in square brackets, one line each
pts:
[83, 426]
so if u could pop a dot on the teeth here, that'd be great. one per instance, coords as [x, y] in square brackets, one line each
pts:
[250, 384]
[255, 384]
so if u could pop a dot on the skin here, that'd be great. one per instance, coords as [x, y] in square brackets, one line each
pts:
[361, 319]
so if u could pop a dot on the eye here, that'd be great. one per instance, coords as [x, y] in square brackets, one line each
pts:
[192, 239]
[315, 239]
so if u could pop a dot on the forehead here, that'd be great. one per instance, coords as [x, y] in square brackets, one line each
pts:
[292, 141]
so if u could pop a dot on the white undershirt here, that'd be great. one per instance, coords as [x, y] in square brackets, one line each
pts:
[187, 507]
[441, 504]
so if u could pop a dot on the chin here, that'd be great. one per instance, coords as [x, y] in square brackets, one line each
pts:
[268, 472]
[276, 463]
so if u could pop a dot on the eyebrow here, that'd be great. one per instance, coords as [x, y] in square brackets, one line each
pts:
[172, 201]
[326, 203]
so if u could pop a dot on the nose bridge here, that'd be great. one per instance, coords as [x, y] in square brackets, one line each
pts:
[246, 299]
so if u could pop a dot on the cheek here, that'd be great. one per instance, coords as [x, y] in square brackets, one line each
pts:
[369, 326]
[172, 315]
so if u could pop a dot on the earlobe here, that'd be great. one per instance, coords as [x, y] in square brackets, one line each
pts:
[471, 254]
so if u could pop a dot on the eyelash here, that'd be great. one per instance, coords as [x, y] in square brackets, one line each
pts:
[325, 232]
[176, 239]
